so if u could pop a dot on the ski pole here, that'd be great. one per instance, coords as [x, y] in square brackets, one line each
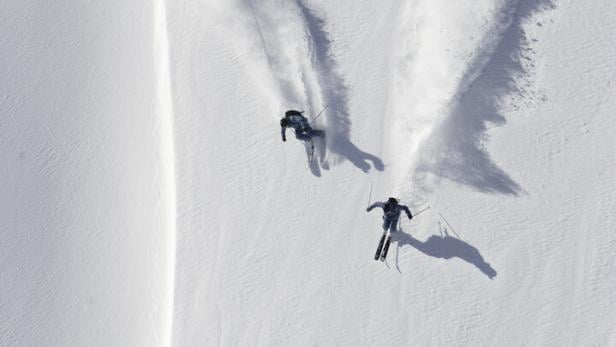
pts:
[319, 114]
[370, 196]
[422, 211]
[416, 214]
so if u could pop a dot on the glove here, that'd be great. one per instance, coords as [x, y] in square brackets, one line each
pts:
[368, 209]
[284, 139]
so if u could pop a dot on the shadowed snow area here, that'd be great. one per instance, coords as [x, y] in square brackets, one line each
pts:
[457, 150]
[446, 247]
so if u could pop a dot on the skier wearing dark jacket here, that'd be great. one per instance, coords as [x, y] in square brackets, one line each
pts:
[303, 131]
[391, 213]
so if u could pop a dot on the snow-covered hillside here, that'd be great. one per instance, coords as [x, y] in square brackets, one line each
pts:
[86, 208]
[149, 200]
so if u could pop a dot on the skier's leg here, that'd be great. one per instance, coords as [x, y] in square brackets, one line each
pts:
[389, 224]
[386, 247]
[318, 133]
[377, 255]
[393, 226]
[385, 224]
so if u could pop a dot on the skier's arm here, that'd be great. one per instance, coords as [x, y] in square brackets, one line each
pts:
[376, 204]
[282, 131]
[407, 211]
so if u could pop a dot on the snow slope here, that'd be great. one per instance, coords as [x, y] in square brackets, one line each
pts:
[149, 200]
[86, 209]
[496, 114]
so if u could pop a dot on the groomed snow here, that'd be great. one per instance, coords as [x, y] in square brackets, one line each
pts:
[149, 200]
[86, 209]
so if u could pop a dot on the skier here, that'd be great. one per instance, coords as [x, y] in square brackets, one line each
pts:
[391, 210]
[391, 214]
[303, 131]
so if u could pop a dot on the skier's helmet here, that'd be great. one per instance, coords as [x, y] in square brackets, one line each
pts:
[390, 204]
[292, 113]
[284, 122]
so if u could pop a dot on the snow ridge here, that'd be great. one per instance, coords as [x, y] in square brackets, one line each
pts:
[165, 112]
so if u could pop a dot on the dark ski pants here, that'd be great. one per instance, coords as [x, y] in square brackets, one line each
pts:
[307, 134]
[303, 135]
[390, 224]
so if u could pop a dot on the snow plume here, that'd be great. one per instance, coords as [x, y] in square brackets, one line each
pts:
[255, 31]
[287, 47]
[442, 48]
[495, 72]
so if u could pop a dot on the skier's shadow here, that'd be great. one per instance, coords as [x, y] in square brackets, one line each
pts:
[446, 247]
[342, 146]
[337, 119]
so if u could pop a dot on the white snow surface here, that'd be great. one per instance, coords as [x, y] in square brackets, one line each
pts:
[148, 198]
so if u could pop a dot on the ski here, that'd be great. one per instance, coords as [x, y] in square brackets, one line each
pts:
[386, 248]
[311, 150]
[378, 249]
